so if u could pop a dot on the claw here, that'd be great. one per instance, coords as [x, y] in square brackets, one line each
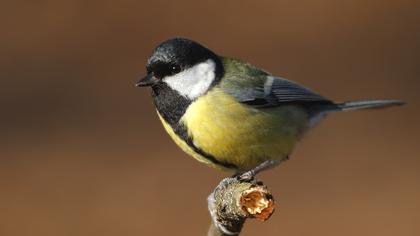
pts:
[246, 176]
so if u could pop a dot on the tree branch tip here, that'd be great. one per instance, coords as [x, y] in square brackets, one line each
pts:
[234, 200]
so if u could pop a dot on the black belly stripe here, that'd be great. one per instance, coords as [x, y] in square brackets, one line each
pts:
[172, 106]
[182, 132]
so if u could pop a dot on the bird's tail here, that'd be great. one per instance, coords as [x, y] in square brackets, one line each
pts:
[362, 104]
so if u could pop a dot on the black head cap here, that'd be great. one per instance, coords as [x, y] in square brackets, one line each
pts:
[177, 54]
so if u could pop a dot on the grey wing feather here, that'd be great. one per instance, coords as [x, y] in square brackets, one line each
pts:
[247, 94]
[287, 91]
[274, 91]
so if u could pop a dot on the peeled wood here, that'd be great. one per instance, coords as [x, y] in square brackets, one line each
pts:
[233, 201]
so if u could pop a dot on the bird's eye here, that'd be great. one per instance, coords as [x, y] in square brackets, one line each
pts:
[162, 70]
[175, 69]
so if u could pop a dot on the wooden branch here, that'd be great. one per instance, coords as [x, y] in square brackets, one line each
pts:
[233, 201]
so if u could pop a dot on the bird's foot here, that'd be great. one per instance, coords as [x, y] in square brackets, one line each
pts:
[246, 176]
[250, 174]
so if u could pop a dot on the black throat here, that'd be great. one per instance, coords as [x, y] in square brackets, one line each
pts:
[169, 103]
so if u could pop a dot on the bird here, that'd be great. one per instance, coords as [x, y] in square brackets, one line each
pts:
[229, 114]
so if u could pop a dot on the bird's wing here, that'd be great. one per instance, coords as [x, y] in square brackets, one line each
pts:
[288, 91]
[266, 90]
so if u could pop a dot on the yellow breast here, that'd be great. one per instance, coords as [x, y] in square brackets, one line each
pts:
[185, 147]
[236, 133]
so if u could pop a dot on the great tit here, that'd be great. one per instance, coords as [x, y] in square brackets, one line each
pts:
[230, 114]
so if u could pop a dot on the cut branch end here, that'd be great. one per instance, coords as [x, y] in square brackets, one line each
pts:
[234, 200]
[258, 203]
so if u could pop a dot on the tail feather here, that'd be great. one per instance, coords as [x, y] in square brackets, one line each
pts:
[320, 112]
[354, 105]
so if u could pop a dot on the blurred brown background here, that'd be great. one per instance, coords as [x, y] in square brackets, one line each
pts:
[83, 153]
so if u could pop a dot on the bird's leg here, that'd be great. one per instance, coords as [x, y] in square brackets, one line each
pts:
[249, 175]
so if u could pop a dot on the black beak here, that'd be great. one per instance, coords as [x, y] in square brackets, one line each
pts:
[148, 80]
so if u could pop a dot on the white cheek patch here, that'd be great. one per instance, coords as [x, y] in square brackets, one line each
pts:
[195, 81]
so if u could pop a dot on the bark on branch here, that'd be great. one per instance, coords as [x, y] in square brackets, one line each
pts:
[233, 201]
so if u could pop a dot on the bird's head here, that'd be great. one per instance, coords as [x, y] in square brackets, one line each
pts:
[183, 65]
